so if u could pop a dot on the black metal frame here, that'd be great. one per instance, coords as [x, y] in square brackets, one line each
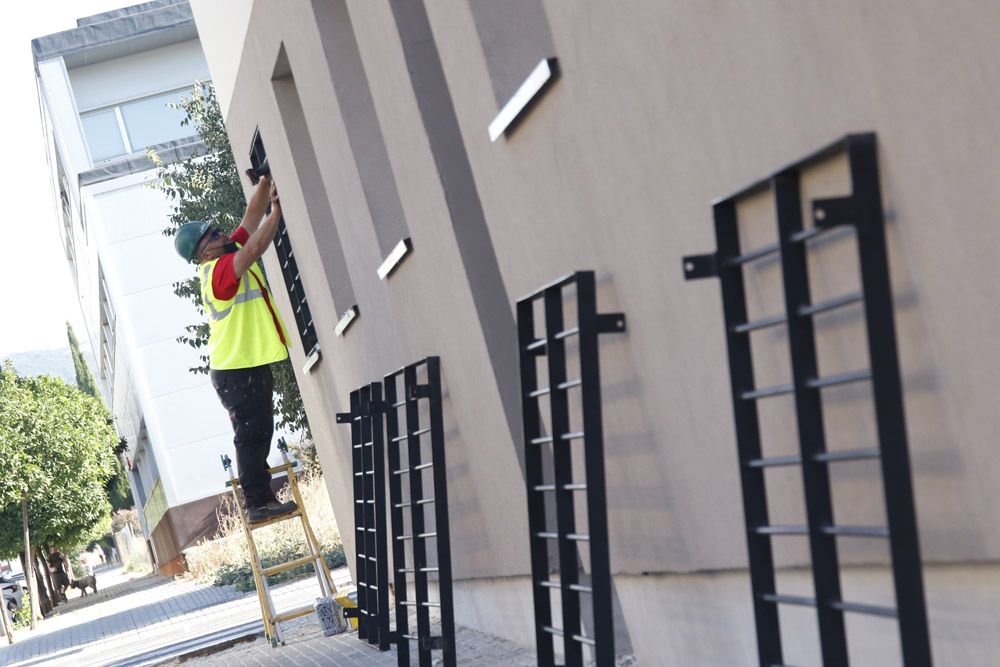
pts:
[862, 210]
[553, 345]
[408, 430]
[289, 267]
[372, 556]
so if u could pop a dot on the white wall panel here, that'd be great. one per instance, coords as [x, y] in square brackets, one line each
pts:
[141, 74]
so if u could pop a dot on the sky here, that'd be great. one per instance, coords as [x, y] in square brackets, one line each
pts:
[38, 292]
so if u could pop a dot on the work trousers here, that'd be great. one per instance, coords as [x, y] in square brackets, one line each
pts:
[248, 395]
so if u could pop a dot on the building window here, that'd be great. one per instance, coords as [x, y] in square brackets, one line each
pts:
[66, 209]
[156, 505]
[138, 489]
[107, 315]
[289, 268]
[104, 135]
[135, 125]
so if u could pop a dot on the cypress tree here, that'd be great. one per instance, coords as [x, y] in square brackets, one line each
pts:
[84, 378]
[119, 492]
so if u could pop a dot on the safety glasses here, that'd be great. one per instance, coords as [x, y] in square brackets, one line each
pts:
[210, 236]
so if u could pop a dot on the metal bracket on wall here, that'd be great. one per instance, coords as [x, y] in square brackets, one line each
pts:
[861, 210]
[559, 446]
[700, 266]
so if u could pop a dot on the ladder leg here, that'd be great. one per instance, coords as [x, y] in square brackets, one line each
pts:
[279, 634]
[322, 571]
[328, 586]
[254, 563]
[312, 544]
[263, 593]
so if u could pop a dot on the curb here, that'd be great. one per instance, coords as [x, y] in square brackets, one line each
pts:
[203, 645]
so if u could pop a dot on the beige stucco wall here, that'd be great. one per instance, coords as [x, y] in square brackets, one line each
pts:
[659, 110]
[482, 466]
[707, 620]
[222, 26]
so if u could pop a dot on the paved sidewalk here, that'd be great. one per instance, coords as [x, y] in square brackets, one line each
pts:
[306, 646]
[142, 615]
[141, 621]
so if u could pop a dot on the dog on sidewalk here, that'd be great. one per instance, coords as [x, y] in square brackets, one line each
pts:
[85, 582]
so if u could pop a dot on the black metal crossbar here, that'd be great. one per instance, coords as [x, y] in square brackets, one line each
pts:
[861, 210]
[372, 557]
[404, 435]
[558, 447]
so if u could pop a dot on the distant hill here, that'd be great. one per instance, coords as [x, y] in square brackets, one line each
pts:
[56, 362]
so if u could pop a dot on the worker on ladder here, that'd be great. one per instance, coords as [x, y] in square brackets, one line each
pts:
[246, 335]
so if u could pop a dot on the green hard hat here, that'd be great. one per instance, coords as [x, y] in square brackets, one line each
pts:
[187, 237]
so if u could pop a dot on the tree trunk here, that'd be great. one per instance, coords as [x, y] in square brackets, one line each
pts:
[53, 589]
[7, 625]
[44, 602]
[29, 570]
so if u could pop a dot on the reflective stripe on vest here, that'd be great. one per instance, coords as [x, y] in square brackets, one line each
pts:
[244, 337]
[247, 295]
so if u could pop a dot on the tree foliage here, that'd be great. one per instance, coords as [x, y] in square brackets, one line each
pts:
[57, 450]
[208, 188]
[84, 378]
[118, 487]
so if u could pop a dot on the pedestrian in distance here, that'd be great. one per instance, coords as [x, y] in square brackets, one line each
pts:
[60, 580]
[246, 335]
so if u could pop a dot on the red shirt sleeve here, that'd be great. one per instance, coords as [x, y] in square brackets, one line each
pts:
[224, 282]
[240, 235]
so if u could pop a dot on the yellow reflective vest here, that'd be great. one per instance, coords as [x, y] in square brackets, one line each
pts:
[242, 332]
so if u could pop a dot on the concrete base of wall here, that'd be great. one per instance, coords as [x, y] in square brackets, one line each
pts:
[182, 526]
[501, 607]
[186, 524]
[707, 619]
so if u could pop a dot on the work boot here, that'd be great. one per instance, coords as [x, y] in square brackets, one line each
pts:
[270, 510]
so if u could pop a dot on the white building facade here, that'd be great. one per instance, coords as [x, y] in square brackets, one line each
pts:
[103, 89]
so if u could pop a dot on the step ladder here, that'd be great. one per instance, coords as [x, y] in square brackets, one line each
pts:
[272, 618]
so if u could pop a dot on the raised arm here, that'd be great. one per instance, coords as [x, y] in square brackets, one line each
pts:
[257, 205]
[261, 236]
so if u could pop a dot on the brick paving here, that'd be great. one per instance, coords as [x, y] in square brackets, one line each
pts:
[305, 645]
[141, 615]
[129, 618]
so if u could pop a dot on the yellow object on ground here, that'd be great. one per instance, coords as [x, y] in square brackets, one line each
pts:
[348, 601]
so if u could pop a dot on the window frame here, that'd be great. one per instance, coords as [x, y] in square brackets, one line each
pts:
[120, 119]
[107, 320]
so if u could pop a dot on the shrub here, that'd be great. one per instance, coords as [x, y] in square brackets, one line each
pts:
[122, 518]
[22, 616]
[241, 575]
[225, 559]
[305, 452]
